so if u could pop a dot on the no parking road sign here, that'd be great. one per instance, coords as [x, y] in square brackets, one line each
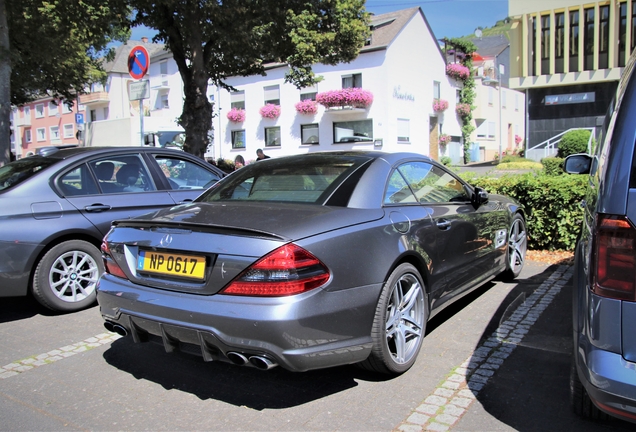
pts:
[138, 62]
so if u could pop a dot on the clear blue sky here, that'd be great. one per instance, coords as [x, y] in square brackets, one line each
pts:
[447, 18]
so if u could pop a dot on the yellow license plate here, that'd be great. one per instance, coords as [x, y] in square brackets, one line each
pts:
[178, 265]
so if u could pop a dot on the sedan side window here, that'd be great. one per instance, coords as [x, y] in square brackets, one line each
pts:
[398, 191]
[184, 174]
[432, 184]
[121, 174]
[77, 182]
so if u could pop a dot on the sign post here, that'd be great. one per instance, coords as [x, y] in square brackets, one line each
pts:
[138, 65]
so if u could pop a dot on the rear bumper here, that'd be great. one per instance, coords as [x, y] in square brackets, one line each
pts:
[313, 330]
[608, 378]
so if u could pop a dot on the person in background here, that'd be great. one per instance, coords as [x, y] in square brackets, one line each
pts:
[260, 155]
[239, 162]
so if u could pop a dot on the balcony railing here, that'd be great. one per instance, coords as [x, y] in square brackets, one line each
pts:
[94, 98]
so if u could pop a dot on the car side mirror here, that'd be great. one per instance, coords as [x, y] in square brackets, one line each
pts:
[480, 196]
[149, 139]
[577, 164]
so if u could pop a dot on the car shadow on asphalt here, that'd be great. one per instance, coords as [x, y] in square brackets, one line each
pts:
[19, 308]
[531, 390]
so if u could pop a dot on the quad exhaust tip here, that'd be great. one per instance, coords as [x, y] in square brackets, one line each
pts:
[259, 361]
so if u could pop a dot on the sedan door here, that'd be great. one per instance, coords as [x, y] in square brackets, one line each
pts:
[112, 187]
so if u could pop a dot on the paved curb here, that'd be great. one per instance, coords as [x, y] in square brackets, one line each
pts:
[442, 409]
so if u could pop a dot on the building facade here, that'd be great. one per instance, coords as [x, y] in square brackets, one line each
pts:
[401, 81]
[567, 56]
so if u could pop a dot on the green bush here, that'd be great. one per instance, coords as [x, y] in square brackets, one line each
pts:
[551, 203]
[553, 166]
[445, 160]
[523, 164]
[574, 142]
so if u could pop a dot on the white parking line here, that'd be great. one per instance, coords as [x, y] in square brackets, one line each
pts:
[451, 399]
[18, 367]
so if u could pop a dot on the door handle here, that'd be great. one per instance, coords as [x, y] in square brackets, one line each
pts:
[96, 208]
[443, 224]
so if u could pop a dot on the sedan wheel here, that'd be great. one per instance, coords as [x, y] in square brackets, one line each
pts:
[400, 322]
[517, 246]
[66, 277]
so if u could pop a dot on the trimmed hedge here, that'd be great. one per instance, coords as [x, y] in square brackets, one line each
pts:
[553, 166]
[551, 203]
[573, 142]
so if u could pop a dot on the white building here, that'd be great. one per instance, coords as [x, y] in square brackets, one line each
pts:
[401, 65]
[113, 119]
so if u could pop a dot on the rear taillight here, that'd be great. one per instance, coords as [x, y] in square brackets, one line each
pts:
[110, 265]
[287, 270]
[615, 248]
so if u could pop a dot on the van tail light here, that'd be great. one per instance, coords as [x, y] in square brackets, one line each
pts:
[615, 249]
[110, 265]
[287, 270]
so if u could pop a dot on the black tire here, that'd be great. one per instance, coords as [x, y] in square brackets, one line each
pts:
[65, 279]
[516, 248]
[582, 405]
[399, 324]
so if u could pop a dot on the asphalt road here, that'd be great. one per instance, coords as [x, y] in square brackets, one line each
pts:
[497, 360]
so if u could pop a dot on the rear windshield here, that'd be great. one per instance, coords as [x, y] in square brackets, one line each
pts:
[18, 171]
[308, 179]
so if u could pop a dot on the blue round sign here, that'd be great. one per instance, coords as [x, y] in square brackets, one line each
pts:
[138, 62]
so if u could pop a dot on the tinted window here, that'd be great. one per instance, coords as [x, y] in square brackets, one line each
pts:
[293, 179]
[18, 171]
[77, 182]
[122, 173]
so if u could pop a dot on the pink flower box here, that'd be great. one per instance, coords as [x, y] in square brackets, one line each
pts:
[270, 111]
[348, 97]
[307, 106]
[457, 71]
[236, 115]
[440, 105]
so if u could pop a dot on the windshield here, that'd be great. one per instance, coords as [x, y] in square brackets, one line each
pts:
[298, 179]
[18, 171]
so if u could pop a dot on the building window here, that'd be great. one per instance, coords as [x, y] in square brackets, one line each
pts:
[272, 136]
[491, 96]
[237, 100]
[574, 41]
[622, 33]
[403, 130]
[308, 96]
[39, 111]
[55, 133]
[66, 109]
[436, 90]
[27, 113]
[163, 68]
[272, 94]
[309, 134]
[53, 109]
[41, 134]
[559, 41]
[516, 101]
[69, 130]
[164, 101]
[504, 97]
[482, 129]
[353, 131]
[603, 37]
[588, 39]
[545, 44]
[27, 135]
[106, 113]
[352, 81]
[238, 139]
[533, 49]
[491, 130]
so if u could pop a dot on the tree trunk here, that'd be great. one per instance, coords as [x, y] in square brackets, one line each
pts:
[5, 87]
[196, 117]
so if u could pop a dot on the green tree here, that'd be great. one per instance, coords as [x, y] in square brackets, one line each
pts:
[53, 48]
[213, 40]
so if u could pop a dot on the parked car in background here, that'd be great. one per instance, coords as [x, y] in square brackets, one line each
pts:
[55, 210]
[309, 261]
[603, 378]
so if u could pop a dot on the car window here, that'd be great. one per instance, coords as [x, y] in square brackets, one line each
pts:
[398, 191]
[184, 174]
[18, 171]
[78, 181]
[432, 184]
[122, 174]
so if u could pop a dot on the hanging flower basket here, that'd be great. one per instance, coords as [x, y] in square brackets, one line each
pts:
[457, 71]
[444, 139]
[518, 139]
[348, 97]
[270, 111]
[440, 105]
[307, 106]
[236, 115]
[463, 109]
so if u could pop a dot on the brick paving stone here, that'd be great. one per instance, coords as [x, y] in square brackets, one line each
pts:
[418, 418]
[443, 392]
[466, 394]
[410, 428]
[454, 410]
[446, 419]
[456, 378]
[451, 385]
[435, 400]
[428, 409]
[461, 401]
[437, 427]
